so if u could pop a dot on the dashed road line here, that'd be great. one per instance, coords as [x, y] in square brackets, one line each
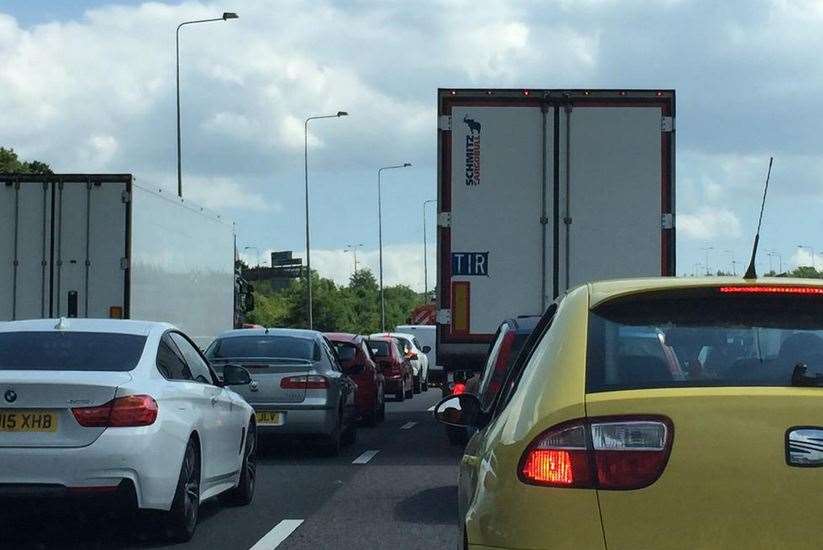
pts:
[281, 532]
[408, 425]
[365, 457]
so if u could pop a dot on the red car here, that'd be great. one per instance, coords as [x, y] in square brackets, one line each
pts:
[355, 358]
[397, 369]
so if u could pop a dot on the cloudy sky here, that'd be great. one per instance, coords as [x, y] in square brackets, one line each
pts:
[88, 86]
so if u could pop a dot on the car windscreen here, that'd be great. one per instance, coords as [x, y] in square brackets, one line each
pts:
[345, 351]
[704, 337]
[380, 348]
[270, 347]
[70, 351]
[404, 344]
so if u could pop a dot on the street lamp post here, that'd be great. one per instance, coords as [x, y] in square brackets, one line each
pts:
[733, 261]
[380, 238]
[425, 252]
[707, 250]
[308, 241]
[226, 16]
[353, 249]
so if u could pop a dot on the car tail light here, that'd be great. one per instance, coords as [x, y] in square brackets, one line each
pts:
[309, 382]
[458, 388]
[413, 356]
[599, 453]
[121, 412]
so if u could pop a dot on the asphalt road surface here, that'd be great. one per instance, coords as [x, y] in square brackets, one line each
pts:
[394, 488]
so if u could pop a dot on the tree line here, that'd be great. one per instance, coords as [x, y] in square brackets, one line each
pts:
[354, 308]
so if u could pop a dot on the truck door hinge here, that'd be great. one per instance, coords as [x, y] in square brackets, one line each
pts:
[444, 122]
[567, 220]
[124, 263]
[125, 196]
[544, 220]
[444, 317]
[444, 219]
[667, 124]
[667, 221]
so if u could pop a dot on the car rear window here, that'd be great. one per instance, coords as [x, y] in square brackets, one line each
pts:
[703, 337]
[70, 351]
[380, 348]
[269, 347]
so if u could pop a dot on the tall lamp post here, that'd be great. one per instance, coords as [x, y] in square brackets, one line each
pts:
[308, 239]
[380, 237]
[226, 16]
[425, 252]
[353, 249]
[707, 250]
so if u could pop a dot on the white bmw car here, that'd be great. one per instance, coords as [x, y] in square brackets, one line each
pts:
[125, 409]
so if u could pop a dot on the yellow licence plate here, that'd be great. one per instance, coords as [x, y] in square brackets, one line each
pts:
[27, 421]
[270, 418]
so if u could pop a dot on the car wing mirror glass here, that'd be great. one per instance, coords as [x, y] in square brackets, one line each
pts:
[235, 375]
[459, 410]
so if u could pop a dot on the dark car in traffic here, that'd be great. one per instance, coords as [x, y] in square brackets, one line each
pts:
[398, 377]
[355, 358]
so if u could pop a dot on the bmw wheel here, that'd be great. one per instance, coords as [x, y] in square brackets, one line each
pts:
[181, 520]
[243, 494]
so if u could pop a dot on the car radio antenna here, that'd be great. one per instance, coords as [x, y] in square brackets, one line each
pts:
[751, 272]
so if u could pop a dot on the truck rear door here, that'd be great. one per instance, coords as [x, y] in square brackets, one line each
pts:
[25, 237]
[90, 249]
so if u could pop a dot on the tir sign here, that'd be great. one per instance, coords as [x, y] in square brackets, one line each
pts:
[470, 263]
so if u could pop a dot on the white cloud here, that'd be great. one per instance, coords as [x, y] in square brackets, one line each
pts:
[220, 194]
[709, 223]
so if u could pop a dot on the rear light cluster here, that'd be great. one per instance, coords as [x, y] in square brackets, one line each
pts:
[121, 412]
[599, 453]
[458, 388]
[770, 290]
[308, 382]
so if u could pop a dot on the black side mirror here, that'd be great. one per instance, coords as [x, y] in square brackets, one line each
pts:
[235, 375]
[462, 410]
[426, 349]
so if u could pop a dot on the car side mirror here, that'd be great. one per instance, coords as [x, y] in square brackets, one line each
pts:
[426, 349]
[235, 375]
[462, 410]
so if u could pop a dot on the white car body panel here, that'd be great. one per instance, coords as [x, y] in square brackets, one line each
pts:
[149, 456]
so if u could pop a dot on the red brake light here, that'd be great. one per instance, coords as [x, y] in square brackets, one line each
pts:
[459, 388]
[121, 412]
[609, 453]
[311, 382]
[770, 290]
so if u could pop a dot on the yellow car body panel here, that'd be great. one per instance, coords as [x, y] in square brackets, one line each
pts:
[504, 512]
[726, 484]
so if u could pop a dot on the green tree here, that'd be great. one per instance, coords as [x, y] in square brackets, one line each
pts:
[11, 164]
[806, 272]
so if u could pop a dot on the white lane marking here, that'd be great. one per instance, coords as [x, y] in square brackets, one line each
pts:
[365, 457]
[281, 532]
[430, 409]
[408, 425]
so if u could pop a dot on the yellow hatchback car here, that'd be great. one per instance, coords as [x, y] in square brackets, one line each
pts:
[654, 414]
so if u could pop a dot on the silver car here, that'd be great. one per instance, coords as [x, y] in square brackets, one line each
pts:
[298, 387]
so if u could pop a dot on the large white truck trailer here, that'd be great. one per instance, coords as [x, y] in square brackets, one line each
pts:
[82, 245]
[539, 191]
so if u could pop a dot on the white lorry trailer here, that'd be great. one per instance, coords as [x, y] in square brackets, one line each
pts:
[539, 191]
[80, 245]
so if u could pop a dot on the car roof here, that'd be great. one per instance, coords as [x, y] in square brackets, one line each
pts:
[343, 337]
[602, 291]
[114, 326]
[293, 332]
[395, 335]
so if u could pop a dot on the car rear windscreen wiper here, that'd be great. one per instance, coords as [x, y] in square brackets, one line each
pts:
[800, 378]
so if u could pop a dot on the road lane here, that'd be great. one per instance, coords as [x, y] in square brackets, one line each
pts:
[403, 496]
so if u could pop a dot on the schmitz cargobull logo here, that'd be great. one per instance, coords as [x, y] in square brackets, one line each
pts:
[472, 152]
